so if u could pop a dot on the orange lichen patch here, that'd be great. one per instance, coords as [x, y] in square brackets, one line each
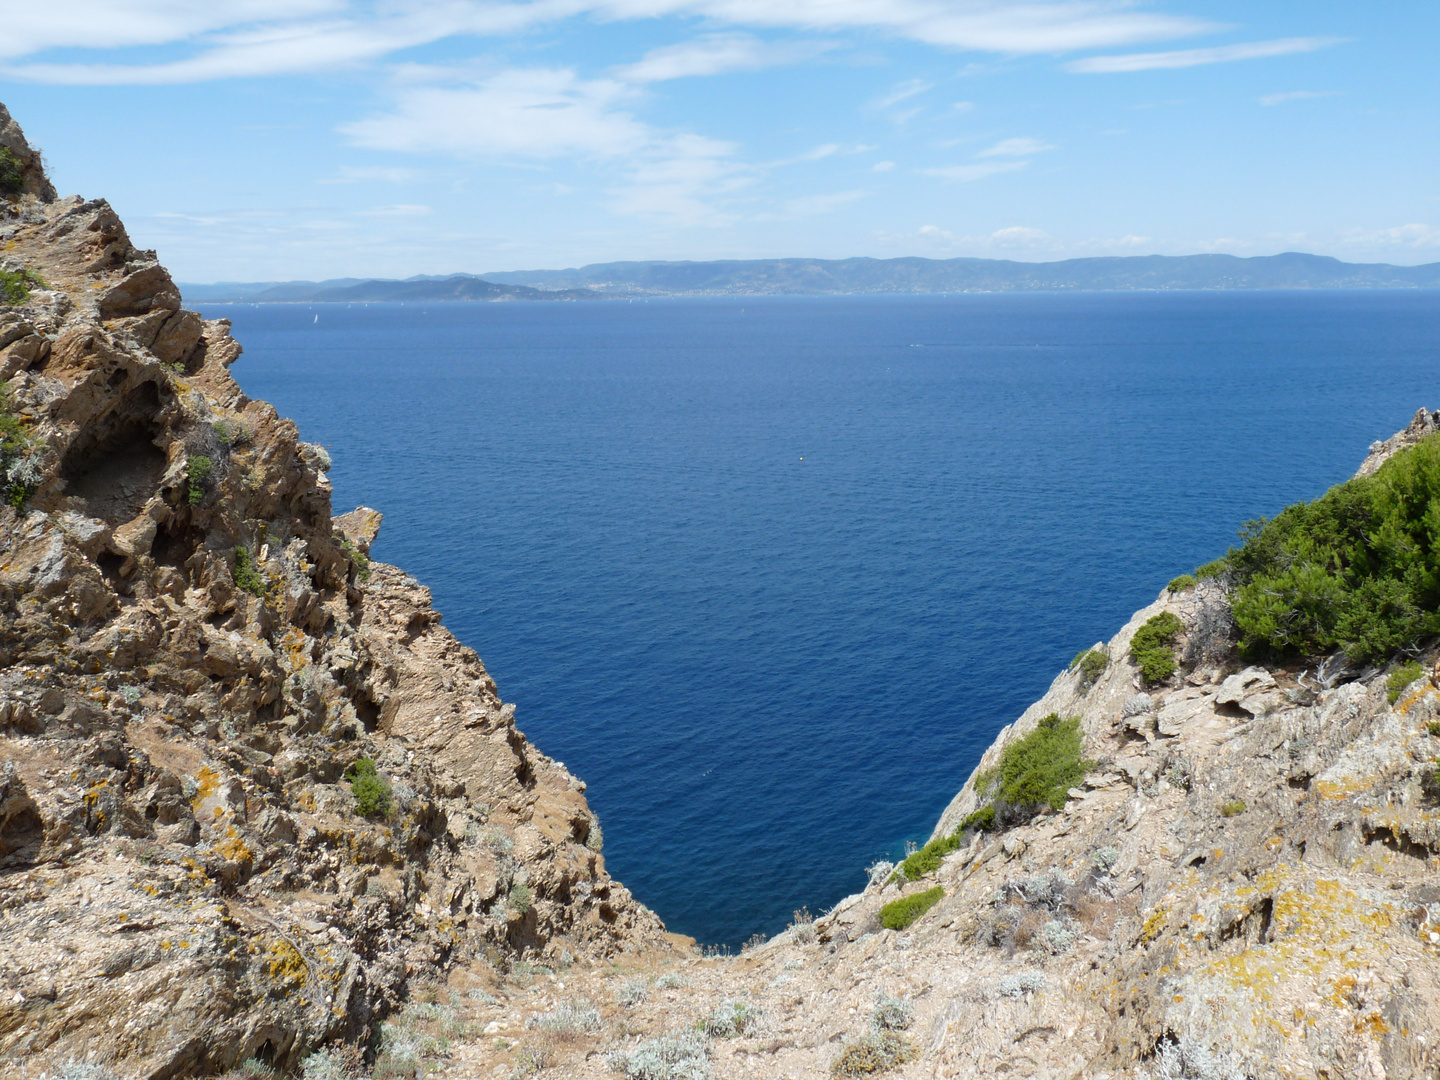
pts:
[1411, 700]
[93, 795]
[1154, 924]
[206, 784]
[287, 966]
[1334, 790]
[234, 848]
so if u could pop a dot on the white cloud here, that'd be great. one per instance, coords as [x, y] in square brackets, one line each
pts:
[902, 92]
[1015, 148]
[815, 205]
[967, 173]
[399, 210]
[1414, 235]
[241, 38]
[1186, 58]
[526, 112]
[1019, 234]
[882, 166]
[1295, 95]
[713, 55]
[963, 106]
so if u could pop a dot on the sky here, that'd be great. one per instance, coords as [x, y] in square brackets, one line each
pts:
[252, 140]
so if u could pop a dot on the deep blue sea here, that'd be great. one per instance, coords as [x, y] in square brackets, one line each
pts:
[769, 574]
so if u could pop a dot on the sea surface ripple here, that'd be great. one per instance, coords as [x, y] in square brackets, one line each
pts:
[770, 574]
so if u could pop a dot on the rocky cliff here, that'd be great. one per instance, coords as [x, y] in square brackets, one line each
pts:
[193, 653]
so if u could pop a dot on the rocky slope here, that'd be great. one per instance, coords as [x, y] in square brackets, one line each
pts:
[192, 654]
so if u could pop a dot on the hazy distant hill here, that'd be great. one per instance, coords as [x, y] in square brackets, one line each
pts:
[1292, 270]
[359, 290]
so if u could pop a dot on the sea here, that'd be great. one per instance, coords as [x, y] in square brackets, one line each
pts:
[771, 573]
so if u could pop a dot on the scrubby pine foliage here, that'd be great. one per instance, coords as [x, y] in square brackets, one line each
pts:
[1358, 569]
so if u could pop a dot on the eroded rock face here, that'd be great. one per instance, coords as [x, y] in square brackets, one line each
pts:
[192, 653]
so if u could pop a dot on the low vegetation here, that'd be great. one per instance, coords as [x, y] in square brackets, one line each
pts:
[1181, 583]
[1038, 770]
[678, 1055]
[12, 175]
[371, 790]
[19, 467]
[570, 1020]
[1401, 678]
[732, 1018]
[1091, 663]
[199, 474]
[1231, 807]
[900, 914]
[1357, 570]
[15, 285]
[876, 1052]
[246, 574]
[1153, 646]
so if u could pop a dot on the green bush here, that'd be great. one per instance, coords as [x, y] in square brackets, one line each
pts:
[1433, 728]
[1039, 769]
[19, 469]
[899, 914]
[247, 576]
[1400, 678]
[1358, 569]
[372, 791]
[928, 859]
[520, 898]
[1181, 583]
[1217, 568]
[1152, 647]
[15, 285]
[12, 178]
[1230, 807]
[1091, 664]
[198, 475]
[876, 1052]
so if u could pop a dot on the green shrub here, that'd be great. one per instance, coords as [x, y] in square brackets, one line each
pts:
[198, 475]
[877, 1052]
[899, 914]
[1358, 569]
[1217, 568]
[1152, 647]
[372, 791]
[1039, 769]
[1433, 728]
[247, 576]
[520, 898]
[1091, 664]
[1230, 807]
[982, 819]
[1181, 583]
[15, 285]
[928, 859]
[1400, 678]
[12, 178]
[19, 467]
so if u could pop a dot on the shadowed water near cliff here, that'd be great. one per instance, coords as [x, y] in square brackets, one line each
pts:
[770, 574]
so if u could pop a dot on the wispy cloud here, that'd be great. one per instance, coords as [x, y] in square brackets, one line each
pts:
[399, 210]
[1187, 58]
[1295, 95]
[714, 55]
[882, 166]
[246, 38]
[903, 92]
[1016, 148]
[1414, 235]
[967, 173]
[350, 174]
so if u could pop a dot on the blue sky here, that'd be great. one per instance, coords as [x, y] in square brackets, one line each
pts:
[276, 139]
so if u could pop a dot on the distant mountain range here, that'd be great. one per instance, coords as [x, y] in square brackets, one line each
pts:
[797, 277]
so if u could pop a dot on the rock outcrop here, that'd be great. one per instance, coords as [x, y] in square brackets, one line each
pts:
[193, 653]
